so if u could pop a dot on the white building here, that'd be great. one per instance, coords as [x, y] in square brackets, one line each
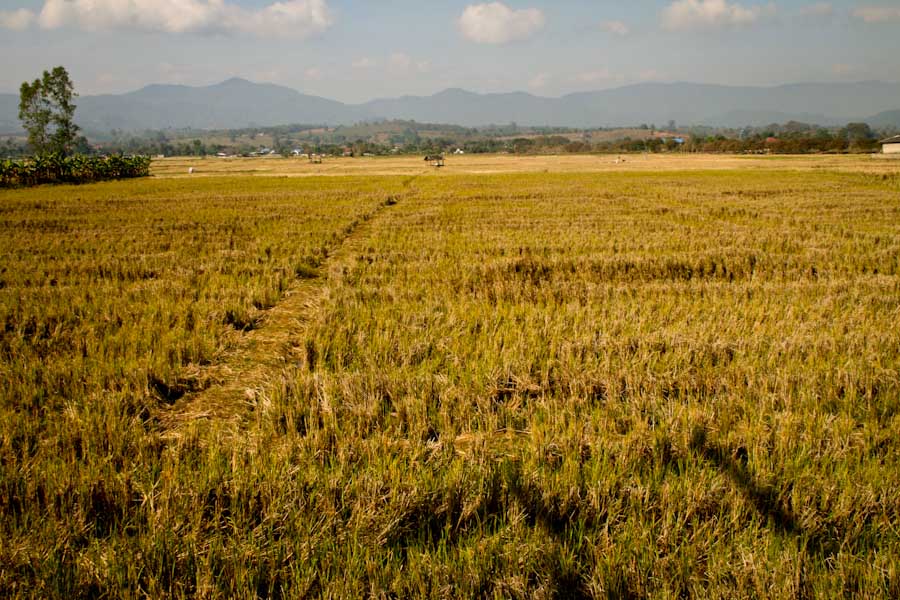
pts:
[891, 145]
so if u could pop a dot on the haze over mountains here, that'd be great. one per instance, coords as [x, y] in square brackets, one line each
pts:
[238, 103]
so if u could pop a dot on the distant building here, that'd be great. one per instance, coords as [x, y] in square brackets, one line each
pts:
[891, 145]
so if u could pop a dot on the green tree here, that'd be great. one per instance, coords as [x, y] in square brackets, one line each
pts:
[47, 111]
[35, 115]
[858, 132]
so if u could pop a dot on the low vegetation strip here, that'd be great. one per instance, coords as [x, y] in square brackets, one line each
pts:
[55, 168]
[520, 385]
[261, 355]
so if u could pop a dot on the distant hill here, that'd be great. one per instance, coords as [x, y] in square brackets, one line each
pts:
[652, 103]
[9, 113]
[238, 103]
[230, 104]
[460, 107]
[889, 118]
[761, 118]
[729, 106]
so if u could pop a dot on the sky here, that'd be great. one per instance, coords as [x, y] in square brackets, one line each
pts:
[354, 51]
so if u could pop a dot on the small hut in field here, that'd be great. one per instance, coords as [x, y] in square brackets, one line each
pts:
[436, 160]
[891, 145]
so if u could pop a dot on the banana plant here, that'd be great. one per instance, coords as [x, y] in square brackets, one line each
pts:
[57, 168]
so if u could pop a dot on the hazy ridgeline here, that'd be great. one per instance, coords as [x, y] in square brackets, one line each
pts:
[540, 385]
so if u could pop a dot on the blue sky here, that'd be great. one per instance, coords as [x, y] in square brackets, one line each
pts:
[355, 51]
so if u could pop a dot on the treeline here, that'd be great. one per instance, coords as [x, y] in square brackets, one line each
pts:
[793, 145]
[413, 138]
[72, 169]
[158, 145]
[13, 148]
[16, 148]
[823, 142]
[723, 145]
[829, 143]
[792, 137]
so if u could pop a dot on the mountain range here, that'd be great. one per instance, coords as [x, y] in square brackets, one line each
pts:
[238, 103]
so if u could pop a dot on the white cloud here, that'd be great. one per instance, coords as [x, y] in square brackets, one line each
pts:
[291, 18]
[403, 64]
[709, 14]
[820, 9]
[497, 23]
[615, 27]
[877, 14]
[365, 63]
[295, 18]
[539, 81]
[312, 74]
[16, 19]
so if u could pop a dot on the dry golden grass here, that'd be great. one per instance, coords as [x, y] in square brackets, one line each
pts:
[259, 356]
[484, 164]
[675, 378]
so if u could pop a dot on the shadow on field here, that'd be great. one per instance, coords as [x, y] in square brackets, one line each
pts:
[443, 518]
[556, 516]
[764, 498]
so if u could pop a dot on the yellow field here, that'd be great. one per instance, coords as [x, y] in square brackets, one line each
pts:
[503, 163]
[676, 376]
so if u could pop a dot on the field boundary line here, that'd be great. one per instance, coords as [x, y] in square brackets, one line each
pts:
[262, 354]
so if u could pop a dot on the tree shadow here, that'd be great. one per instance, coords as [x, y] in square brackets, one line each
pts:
[764, 498]
[443, 518]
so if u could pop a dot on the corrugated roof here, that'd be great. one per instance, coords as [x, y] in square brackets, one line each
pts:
[891, 140]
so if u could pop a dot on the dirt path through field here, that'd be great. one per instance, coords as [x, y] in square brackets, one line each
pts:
[261, 355]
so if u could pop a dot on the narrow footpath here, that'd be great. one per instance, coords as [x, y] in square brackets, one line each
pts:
[261, 355]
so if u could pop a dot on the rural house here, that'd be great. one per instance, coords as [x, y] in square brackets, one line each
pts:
[891, 145]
